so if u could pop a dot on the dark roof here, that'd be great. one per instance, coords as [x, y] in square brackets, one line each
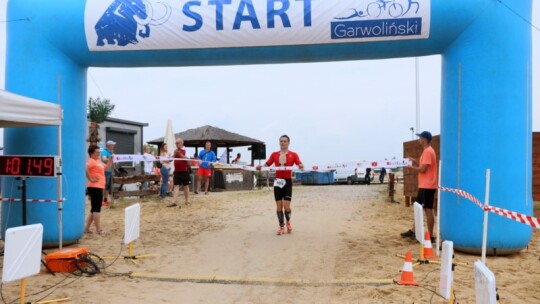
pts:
[222, 138]
[127, 122]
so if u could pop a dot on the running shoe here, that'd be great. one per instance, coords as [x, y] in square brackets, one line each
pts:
[408, 234]
[289, 227]
[105, 203]
[280, 231]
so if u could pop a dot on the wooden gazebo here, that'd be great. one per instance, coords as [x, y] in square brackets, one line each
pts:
[196, 138]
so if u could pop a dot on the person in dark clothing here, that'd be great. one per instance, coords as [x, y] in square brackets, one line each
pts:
[381, 175]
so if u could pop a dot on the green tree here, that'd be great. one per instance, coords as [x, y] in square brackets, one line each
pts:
[98, 111]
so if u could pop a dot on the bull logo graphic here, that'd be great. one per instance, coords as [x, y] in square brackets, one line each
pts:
[124, 20]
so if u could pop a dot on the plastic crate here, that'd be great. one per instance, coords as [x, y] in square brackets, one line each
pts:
[64, 260]
[317, 178]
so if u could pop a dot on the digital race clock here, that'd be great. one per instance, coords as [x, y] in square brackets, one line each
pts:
[28, 165]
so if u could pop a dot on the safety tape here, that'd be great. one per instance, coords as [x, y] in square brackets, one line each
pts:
[393, 163]
[516, 216]
[464, 194]
[11, 199]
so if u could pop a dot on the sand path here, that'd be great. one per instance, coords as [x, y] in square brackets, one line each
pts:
[341, 232]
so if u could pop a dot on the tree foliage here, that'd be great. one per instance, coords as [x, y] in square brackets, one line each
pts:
[99, 109]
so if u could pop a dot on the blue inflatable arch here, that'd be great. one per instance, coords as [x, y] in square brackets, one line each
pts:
[486, 90]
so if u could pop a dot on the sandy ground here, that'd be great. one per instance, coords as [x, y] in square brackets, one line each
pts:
[341, 232]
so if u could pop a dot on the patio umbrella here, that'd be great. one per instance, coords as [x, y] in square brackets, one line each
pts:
[170, 140]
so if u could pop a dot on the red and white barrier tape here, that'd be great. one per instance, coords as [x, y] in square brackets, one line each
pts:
[464, 194]
[518, 217]
[11, 199]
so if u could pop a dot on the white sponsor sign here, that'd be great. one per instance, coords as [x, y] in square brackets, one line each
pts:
[234, 177]
[121, 25]
[447, 276]
[132, 224]
[419, 222]
[486, 291]
[22, 252]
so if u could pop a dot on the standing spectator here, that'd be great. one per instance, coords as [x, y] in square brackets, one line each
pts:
[181, 173]
[206, 157]
[382, 174]
[367, 178]
[237, 159]
[283, 182]
[165, 170]
[148, 164]
[95, 173]
[427, 182]
[106, 154]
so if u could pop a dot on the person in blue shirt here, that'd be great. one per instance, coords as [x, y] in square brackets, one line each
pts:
[206, 157]
[105, 155]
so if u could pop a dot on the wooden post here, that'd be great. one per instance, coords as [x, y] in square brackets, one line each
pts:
[391, 187]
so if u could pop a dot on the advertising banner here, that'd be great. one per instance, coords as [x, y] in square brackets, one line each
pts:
[122, 25]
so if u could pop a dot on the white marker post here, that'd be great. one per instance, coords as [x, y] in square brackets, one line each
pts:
[439, 204]
[484, 279]
[132, 226]
[486, 212]
[22, 255]
[447, 276]
[419, 226]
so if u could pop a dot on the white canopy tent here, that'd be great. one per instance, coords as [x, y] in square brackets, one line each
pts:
[20, 111]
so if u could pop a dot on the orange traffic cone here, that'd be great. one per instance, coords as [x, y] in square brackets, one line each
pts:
[428, 250]
[407, 277]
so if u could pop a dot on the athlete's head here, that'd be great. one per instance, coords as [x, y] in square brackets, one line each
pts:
[284, 141]
[208, 145]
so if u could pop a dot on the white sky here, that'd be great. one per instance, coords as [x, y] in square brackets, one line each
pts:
[332, 111]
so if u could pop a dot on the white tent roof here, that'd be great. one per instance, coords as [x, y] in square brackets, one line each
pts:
[20, 111]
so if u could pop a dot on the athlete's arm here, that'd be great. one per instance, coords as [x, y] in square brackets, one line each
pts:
[299, 163]
[267, 163]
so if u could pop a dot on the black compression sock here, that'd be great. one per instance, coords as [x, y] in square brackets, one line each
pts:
[288, 215]
[280, 218]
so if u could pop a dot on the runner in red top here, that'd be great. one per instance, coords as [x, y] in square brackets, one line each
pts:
[283, 182]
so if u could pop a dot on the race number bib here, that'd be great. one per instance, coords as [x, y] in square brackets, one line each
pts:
[279, 182]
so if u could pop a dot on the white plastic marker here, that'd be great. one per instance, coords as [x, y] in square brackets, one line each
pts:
[419, 222]
[439, 202]
[22, 255]
[447, 276]
[132, 226]
[484, 279]
[486, 213]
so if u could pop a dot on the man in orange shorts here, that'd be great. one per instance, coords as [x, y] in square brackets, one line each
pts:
[427, 182]
[206, 157]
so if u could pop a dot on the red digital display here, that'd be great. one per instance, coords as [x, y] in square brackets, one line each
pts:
[20, 165]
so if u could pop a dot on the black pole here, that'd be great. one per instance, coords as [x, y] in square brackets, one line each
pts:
[23, 200]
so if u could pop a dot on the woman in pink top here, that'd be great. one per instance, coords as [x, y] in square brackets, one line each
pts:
[95, 173]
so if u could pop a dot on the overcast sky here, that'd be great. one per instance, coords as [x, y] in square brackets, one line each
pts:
[340, 111]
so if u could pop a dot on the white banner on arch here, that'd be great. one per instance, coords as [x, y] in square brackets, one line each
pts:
[122, 25]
